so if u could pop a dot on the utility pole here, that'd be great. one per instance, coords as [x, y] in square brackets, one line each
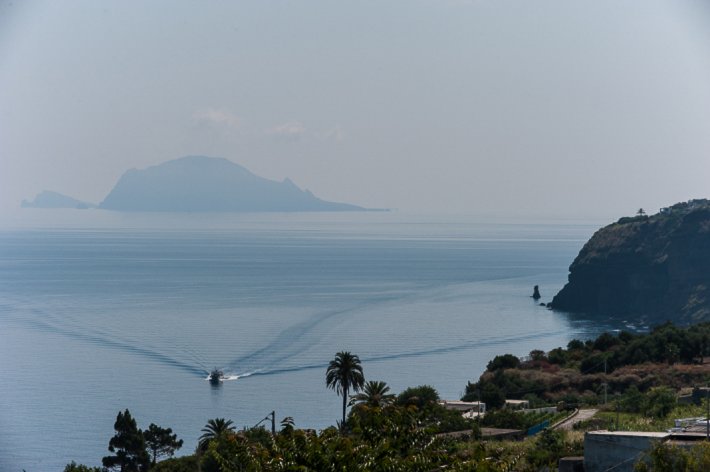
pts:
[605, 383]
[707, 418]
[273, 422]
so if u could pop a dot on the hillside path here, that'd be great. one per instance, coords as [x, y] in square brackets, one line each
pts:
[581, 416]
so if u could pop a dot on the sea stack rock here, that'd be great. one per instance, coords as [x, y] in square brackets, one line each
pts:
[651, 268]
[536, 293]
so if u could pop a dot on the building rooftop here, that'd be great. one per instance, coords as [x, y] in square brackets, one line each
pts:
[459, 402]
[648, 434]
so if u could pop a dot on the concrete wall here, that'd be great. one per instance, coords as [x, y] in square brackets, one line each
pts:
[456, 405]
[617, 450]
[547, 409]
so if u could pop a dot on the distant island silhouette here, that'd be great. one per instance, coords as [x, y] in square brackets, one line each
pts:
[201, 184]
[49, 199]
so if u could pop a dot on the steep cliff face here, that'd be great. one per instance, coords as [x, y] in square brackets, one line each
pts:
[654, 268]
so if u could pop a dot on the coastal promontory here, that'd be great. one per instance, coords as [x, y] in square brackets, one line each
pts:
[647, 268]
[208, 184]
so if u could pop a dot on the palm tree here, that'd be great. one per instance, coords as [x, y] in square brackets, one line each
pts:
[343, 374]
[214, 429]
[374, 394]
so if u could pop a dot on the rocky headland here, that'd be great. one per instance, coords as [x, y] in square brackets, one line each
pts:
[648, 268]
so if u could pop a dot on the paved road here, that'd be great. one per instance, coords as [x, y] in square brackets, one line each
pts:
[581, 416]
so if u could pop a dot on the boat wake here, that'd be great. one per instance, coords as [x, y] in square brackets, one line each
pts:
[231, 377]
[278, 356]
[411, 354]
[49, 322]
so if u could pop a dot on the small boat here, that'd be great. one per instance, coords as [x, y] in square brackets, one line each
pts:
[216, 377]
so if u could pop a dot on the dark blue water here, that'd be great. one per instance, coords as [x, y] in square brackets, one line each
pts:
[102, 313]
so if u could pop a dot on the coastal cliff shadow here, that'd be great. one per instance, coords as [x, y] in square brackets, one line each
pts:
[608, 321]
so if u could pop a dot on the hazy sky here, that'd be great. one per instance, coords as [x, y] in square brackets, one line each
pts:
[518, 107]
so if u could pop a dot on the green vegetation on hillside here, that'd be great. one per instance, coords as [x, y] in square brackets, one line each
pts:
[668, 356]
[624, 420]
[382, 432]
[412, 431]
[664, 457]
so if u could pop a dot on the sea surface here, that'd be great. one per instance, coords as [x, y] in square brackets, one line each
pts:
[105, 311]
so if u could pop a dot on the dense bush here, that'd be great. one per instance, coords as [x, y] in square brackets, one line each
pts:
[486, 391]
[659, 402]
[422, 397]
[505, 418]
[558, 356]
[633, 401]
[550, 446]
[74, 467]
[663, 457]
[505, 361]
[606, 341]
[576, 374]
[179, 464]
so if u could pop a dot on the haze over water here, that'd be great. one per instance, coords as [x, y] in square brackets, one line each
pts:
[106, 311]
[499, 108]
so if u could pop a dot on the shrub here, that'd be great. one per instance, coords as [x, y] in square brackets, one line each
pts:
[74, 467]
[633, 400]
[660, 401]
[492, 396]
[422, 396]
[177, 464]
[666, 457]
[558, 356]
[606, 341]
[506, 361]
[534, 400]
[549, 447]
[505, 418]
[594, 363]
[537, 355]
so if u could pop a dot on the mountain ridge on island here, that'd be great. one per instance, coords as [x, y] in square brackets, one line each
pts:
[645, 268]
[208, 184]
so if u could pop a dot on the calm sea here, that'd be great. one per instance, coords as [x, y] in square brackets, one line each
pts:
[101, 312]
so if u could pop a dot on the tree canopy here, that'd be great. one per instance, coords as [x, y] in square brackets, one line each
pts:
[375, 393]
[213, 430]
[344, 373]
[161, 441]
[128, 446]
